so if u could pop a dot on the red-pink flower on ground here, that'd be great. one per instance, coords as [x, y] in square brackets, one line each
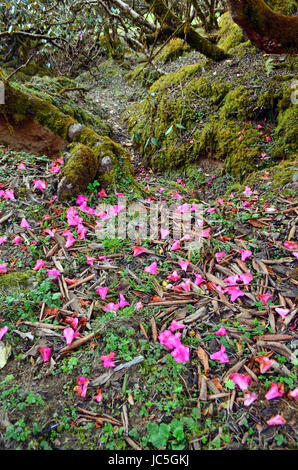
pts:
[164, 233]
[102, 193]
[138, 250]
[246, 204]
[166, 338]
[69, 335]
[291, 245]
[219, 256]
[73, 322]
[69, 238]
[9, 194]
[25, 223]
[3, 331]
[181, 353]
[115, 210]
[247, 191]
[111, 308]
[175, 325]
[206, 233]
[123, 302]
[82, 231]
[265, 363]
[246, 278]
[199, 280]
[210, 210]
[283, 312]
[50, 232]
[221, 331]
[245, 254]
[108, 361]
[3, 268]
[174, 276]
[3, 240]
[81, 199]
[54, 273]
[184, 265]
[139, 305]
[242, 380]
[176, 246]
[160, 190]
[40, 184]
[231, 280]
[72, 218]
[220, 355]
[82, 385]
[152, 269]
[234, 292]
[98, 397]
[293, 394]
[45, 353]
[185, 285]
[21, 166]
[264, 298]
[102, 291]
[276, 420]
[249, 398]
[17, 240]
[183, 209]
[39, 264]
[178, 196]
[90, 260]
[54, 169]
[276, 391]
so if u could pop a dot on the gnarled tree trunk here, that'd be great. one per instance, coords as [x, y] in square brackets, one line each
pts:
[270, 31]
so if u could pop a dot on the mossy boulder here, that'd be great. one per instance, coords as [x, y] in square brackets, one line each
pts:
[20, 281]
[230, 33]
[287, 7]
[175, 48]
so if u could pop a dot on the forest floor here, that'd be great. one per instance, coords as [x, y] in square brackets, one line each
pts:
[233, 297]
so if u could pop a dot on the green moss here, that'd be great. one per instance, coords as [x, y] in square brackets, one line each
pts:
[230, 33]
[17, 281]
[175, 48]
[145, 74]
[287, 7]
[286, 131]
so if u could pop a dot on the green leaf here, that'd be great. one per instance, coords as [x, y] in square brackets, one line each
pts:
[169, 130]
[154, 141]
[180, 126]
[229, 384]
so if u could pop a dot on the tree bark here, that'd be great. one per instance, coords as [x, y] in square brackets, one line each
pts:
[167, 17]
[267, 30]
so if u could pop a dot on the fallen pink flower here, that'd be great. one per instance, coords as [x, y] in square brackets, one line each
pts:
[111, 308]
[17, 240]
[199, 280]
[152, 269]
[123, 302]
[234, 292]
[176, 246]
[81, 199]
[247, 191]
[3, 331]
[221, 331]
[265, 363]
[231, 280]
[246, 278]
[184, 265]
[283, 312]
[102, 193]
[264, 298]
[276, 420]
[181, 353]
[3, 240]
[138, 250]
[3, 268]
[45, 353]
[210, 210]
[73, 322]
[98, 397]
[40, 184]
[241, 380]
[39, 264]
[102, 291]
[21, 166]
[186, 285]
[220, 355]
[90, 260]
[249, 398]
[82, 232]
[293, 394]
[69, 335]
[9, 194]
[164, 233]
[174, 276]
[246, 204]
[219, 256]
[54, 273]
[108, 361]
[291, 245]
[24, 223]
[276, 391]
[183, 209]
[82, 385]
[139, 305]
[175, 325]
[166, 338]
[245, 254]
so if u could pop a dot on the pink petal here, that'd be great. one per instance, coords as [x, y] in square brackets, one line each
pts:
[152, 269]
[102, 291]
[3, 268]
[45, 353]
[3, 331]
[249, 398]
[241, 380]
[108, 361]
[276, 420]
[176, 326]
[138, 250]
[184, 265]
[221, 331]
[220, 355]
[181, 353]
[39, 264]
[275, 391]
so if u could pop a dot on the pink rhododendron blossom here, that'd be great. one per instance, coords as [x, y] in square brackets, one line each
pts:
[90, 260]
[50, 232]
[264, 298]
[185, 285]
[108, 361]
[69, 335]
[40, 184]
[73, 322]
[184, 265]
[82, 385]
[283, 312]
[3, 240]
[178, 196]
[220, 355]
[246, 204]
[234, 292]
[221, 331]
[175, 325]
[245, 254]
[219, 256]
[138, 250]
[98, 397]
[183, 209]
[45, 353]
[176, 246]
[249, 398]
[69, 238]
[54, 273]
[199, 280]
[276, 391]
[231, 280]
[241, 380]
[82, 232]
[265, 363]
[72, 218]
[152, 269]
[181, 353]
[54, 169]
[291, 245]
[25, 223]
[17, 240]
[174, 276]
[247, 191]
[102, 291]
[3, 268]
[206, 233]
[123, 302]
[139, 305]
[39, 264]
[170, 341]
[9, 194]
[160, 190]
[81, 199]
[102, 193]
[246, 278]
[276, 420]
[21, 166]
[164, 233]
[3, 331]
[111, 307]
[115, 210]
[210, 210]
[293, 394]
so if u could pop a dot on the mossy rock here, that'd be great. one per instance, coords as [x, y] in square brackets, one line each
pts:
[230, 34]
[20, 281]
[175, 48]
[145, 74]
[287, 7]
